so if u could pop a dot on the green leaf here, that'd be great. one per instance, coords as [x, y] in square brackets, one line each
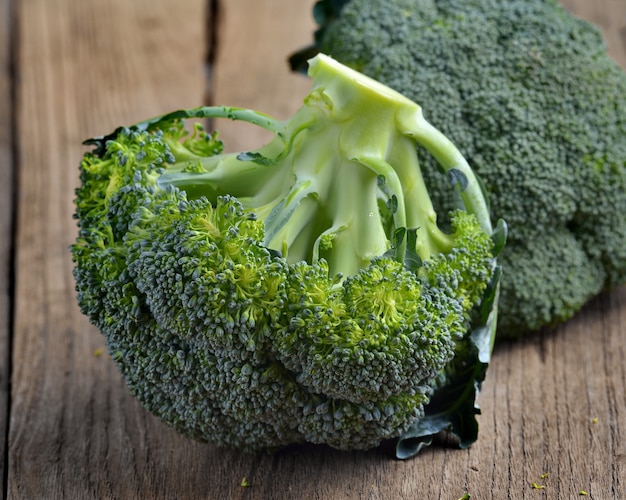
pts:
[255, 157]
[404, 249]
[324, 13]
[452, 407]
[100, 142]
[412, 261]
[396, 245]
[498, 237]
[491, 295]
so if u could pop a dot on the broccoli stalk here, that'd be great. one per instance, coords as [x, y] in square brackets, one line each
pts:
[297, 184]
[302, 291]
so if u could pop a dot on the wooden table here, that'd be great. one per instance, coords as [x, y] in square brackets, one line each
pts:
[554, 408]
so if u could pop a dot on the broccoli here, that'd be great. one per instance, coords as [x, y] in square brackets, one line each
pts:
[529, 94]
[300, 292]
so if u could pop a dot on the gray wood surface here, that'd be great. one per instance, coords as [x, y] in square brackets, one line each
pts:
[6, 216]
[554, 408]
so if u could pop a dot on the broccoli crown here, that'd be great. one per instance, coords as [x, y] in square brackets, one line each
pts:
[302, 291]
[529, 95]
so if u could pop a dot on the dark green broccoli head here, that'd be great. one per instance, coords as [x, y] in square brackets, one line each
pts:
[299, 292]
[529, 95]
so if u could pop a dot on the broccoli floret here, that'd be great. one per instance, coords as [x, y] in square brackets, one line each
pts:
[529, 94]
[302, 291]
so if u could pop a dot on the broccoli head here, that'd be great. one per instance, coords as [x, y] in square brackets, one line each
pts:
[529, 94]
[300, 292]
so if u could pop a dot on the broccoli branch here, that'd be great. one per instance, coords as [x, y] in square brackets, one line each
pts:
[332, 150]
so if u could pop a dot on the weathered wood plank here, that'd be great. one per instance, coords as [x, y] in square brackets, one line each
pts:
[251, 70]
[542, 399]
[85, 67]
[6, 218]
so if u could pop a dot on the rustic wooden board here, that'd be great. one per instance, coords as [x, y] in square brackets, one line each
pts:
[6, 218]
[254, 40]
[87, 66]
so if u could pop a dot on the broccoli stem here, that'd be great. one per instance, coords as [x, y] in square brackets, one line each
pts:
[350, 132]
[232, 113]
[357, 234]
[451, 161]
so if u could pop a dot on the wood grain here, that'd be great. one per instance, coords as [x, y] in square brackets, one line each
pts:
[251, 70]
[6, 217]
[74, 432]
[85, 67]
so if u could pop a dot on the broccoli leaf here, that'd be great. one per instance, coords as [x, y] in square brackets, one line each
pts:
[452, 407]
